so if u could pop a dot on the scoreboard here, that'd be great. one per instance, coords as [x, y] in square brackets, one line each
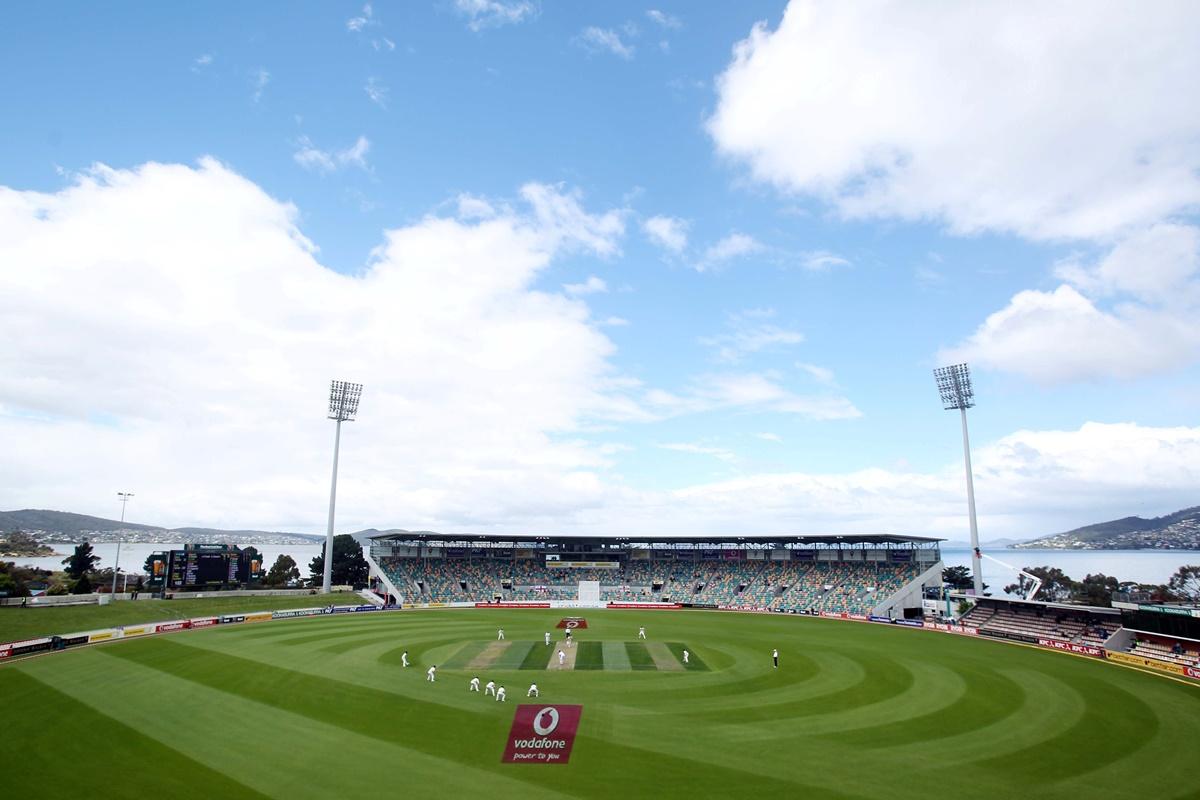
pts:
[204, 567]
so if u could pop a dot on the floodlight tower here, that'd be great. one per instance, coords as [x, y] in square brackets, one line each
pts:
[124, 498]
[343, 405]
[954, 385]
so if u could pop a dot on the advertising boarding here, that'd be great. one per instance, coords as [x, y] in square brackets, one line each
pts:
[542, 734]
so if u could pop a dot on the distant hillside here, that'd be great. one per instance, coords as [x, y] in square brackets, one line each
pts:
[1178, 531]
[62, 526]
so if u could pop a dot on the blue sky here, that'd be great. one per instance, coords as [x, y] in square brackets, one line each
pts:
[842, 220]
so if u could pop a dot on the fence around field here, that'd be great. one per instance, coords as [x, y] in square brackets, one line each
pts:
[10, 650]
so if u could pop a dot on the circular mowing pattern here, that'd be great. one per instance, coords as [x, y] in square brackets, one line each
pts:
[854, 711]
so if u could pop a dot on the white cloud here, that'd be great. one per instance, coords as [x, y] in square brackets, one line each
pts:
[1061, 336]
[376, 91]
[1066, 334]
[356, 24]
[592, 285]
[1028, 483]
[758, 392]
[482, 14]
[703, 450]
[669, 233]
[822, 375]
[472, 207]
[202, 61]
[663, 19]
[312, 158]
[733, 246]
[598, 40]
[614, 322]
[822, 260]
[770, 437]
[984, 116]
[171, 325]
[749, 335]
[259, 80]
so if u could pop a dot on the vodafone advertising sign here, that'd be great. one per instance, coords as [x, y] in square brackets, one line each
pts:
[542, 734]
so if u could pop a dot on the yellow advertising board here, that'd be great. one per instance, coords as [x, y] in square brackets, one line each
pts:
[262, 616]
[100, 637]
[137, 631]
[1151, 663]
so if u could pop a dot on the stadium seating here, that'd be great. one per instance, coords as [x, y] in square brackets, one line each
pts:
[1051, 622]
[854, 587]
[1166, 649]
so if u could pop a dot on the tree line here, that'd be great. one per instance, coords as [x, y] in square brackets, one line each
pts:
[1093, 590]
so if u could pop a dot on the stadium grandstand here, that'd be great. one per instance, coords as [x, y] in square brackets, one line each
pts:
[851, 574]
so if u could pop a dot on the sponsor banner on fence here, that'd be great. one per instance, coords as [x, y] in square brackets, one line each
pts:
[103, 636]
[644, 605]
[875, 618]
[259, 616]
[512, 605]
[1016, 637]
[26, 646]
[297, 612]
[203, 622]
[910, 623]
[542, 734]
[835, 614]
[177, 625]
[1153, 663]
[137, 630]
[5, 650]
[1071, 647]
[232, 619]
[576, 604]
[859, 617]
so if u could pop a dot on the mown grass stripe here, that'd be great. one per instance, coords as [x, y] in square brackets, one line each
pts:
[616, 657]
[464, 655]
[70, 757]
[514, 656]
[536, 657]
[694, 662]
[639, 656]
[590, 656]
[1114, 725]
[989, 697]
[430, 727]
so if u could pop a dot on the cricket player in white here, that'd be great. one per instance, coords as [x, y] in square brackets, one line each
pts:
[562, 657]
[642, 633]
[685, 656]
[775, 658]
[499, 634]
[500, 694]
[474, 684]
[533, 690]
[431, 675]
[404, 659]
[547, 639]
[489, 689]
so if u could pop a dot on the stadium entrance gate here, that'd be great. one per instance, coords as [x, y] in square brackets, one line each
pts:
[589, 591]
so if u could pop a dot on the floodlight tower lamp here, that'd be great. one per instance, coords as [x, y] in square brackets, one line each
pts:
[343, 407]
[954, 386]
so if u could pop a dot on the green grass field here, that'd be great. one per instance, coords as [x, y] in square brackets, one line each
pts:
[30, 623]
[321, 708]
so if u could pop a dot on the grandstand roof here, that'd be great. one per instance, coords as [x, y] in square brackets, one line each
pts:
[657, 541]
[1016, 601]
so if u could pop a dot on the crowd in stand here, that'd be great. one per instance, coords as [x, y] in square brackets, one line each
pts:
[854, 587]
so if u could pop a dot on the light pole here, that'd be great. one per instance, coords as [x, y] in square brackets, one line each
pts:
[954, 385]
[343, 405]
[124, 498]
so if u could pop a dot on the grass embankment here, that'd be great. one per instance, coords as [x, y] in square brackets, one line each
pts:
[30, 623]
